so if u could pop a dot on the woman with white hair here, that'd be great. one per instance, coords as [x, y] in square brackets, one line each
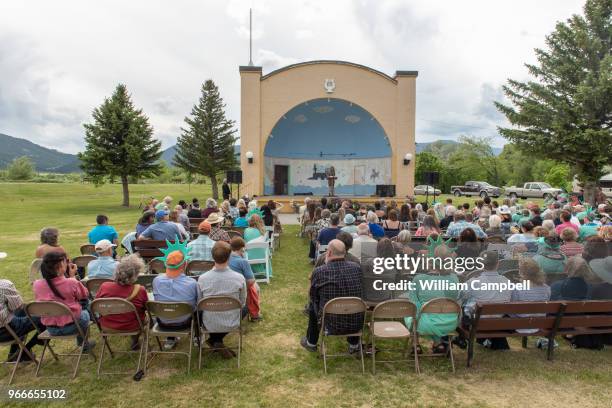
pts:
[211, 207]
[124, 286]
[494, 229]
[375, 229]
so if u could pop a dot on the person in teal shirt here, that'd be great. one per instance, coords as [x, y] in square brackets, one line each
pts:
[589, 228]
[256, 230]
[435, 326]
[103, 231]
[549, 256]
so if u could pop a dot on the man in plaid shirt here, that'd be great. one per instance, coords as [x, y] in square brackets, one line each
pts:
[13, 315]
[337, 278]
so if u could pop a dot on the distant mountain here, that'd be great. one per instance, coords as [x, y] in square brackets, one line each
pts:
[447, 144]
[169, 153]
[45, 160]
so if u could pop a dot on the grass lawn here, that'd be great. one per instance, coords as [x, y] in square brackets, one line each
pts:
[275, 370]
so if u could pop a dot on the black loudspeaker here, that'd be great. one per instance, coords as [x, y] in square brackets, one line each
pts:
[432, 177]
[385, 190]
[234, 176]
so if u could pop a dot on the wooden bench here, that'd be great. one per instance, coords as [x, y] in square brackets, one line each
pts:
[148, 248]
[555, 318]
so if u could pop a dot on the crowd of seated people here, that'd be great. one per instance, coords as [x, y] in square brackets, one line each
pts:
[563, 251]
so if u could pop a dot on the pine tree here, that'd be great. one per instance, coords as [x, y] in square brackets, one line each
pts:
[120, 143]
[565, 114]
[206, 145]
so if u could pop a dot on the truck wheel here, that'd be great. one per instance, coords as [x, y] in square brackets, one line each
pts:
[513, 195]
[483, 194]
[457, 193]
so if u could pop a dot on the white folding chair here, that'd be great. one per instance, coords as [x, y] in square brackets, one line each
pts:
[258, 261]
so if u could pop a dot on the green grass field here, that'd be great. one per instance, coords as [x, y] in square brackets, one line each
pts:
[275, 371]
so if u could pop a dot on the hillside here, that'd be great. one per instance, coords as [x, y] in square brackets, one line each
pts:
[45, 160]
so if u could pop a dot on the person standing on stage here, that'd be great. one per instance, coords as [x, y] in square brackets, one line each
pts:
[226, 190]
[330, 173]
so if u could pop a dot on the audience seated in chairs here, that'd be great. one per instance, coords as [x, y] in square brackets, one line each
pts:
[428, 226]
[576, 285]
[211, 208]
[242, 220]
[173, 217]
[337, 278]
[238, 263]
[201, 247]
[125, 287]
[175, 286]
[347, 239]
[391, 225]
[104, 266]
[402, 243]
[49, 242]
[472, 296]
[435, 326]
[384, 249]
[12, 314]
[222, 281]
[58, 284]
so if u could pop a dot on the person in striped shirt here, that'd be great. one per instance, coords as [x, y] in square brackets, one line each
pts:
[570, 247]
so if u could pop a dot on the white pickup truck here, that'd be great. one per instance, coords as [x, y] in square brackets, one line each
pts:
[534, 189]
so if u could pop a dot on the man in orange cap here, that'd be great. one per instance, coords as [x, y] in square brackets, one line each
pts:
[175, 286]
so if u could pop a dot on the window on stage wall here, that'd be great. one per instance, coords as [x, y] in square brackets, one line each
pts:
[321, 133]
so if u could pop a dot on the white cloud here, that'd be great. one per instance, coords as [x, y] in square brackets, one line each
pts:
[60, 59]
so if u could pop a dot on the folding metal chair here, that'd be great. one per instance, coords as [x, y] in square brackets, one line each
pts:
[22, 349]
[168, 310]
[93, 285]
[83, 261]
[88, 249]
[113, 306]
[342, 306]
[34, 273]
[195, 268]
[265, 260]
[214, 304]
[156, 266]
[393, 329]
[440, 306]
[146, 280]
[56, 309]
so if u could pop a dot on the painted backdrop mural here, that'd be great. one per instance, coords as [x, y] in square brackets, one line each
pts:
[325, 132]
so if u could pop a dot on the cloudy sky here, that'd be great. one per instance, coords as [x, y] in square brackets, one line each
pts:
[59, 59]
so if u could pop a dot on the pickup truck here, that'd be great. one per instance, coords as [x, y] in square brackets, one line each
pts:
[476, 188]
[533, 189]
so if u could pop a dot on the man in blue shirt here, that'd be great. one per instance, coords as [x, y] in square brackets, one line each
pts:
[104, 266]
[162, 230]
[103, 231]
[329, 233]
[175, 286]
[454, 230]
[238, 263]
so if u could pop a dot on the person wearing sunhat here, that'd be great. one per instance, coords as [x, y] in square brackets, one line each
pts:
[216, 232]
[349, 224]
[175, 286]
[162, 229]
[104, 266]
[549, 256]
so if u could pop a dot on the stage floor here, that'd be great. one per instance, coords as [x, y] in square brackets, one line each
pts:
[287, 201]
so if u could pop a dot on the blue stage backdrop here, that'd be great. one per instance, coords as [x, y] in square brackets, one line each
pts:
[325, 132]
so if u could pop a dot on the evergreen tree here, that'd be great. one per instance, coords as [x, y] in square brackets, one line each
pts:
[120, 143]
[206, 145]
[565, 114]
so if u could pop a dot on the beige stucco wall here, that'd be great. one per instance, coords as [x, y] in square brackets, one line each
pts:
[264, 100]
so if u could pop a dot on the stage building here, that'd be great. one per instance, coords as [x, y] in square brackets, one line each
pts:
[299, 120]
